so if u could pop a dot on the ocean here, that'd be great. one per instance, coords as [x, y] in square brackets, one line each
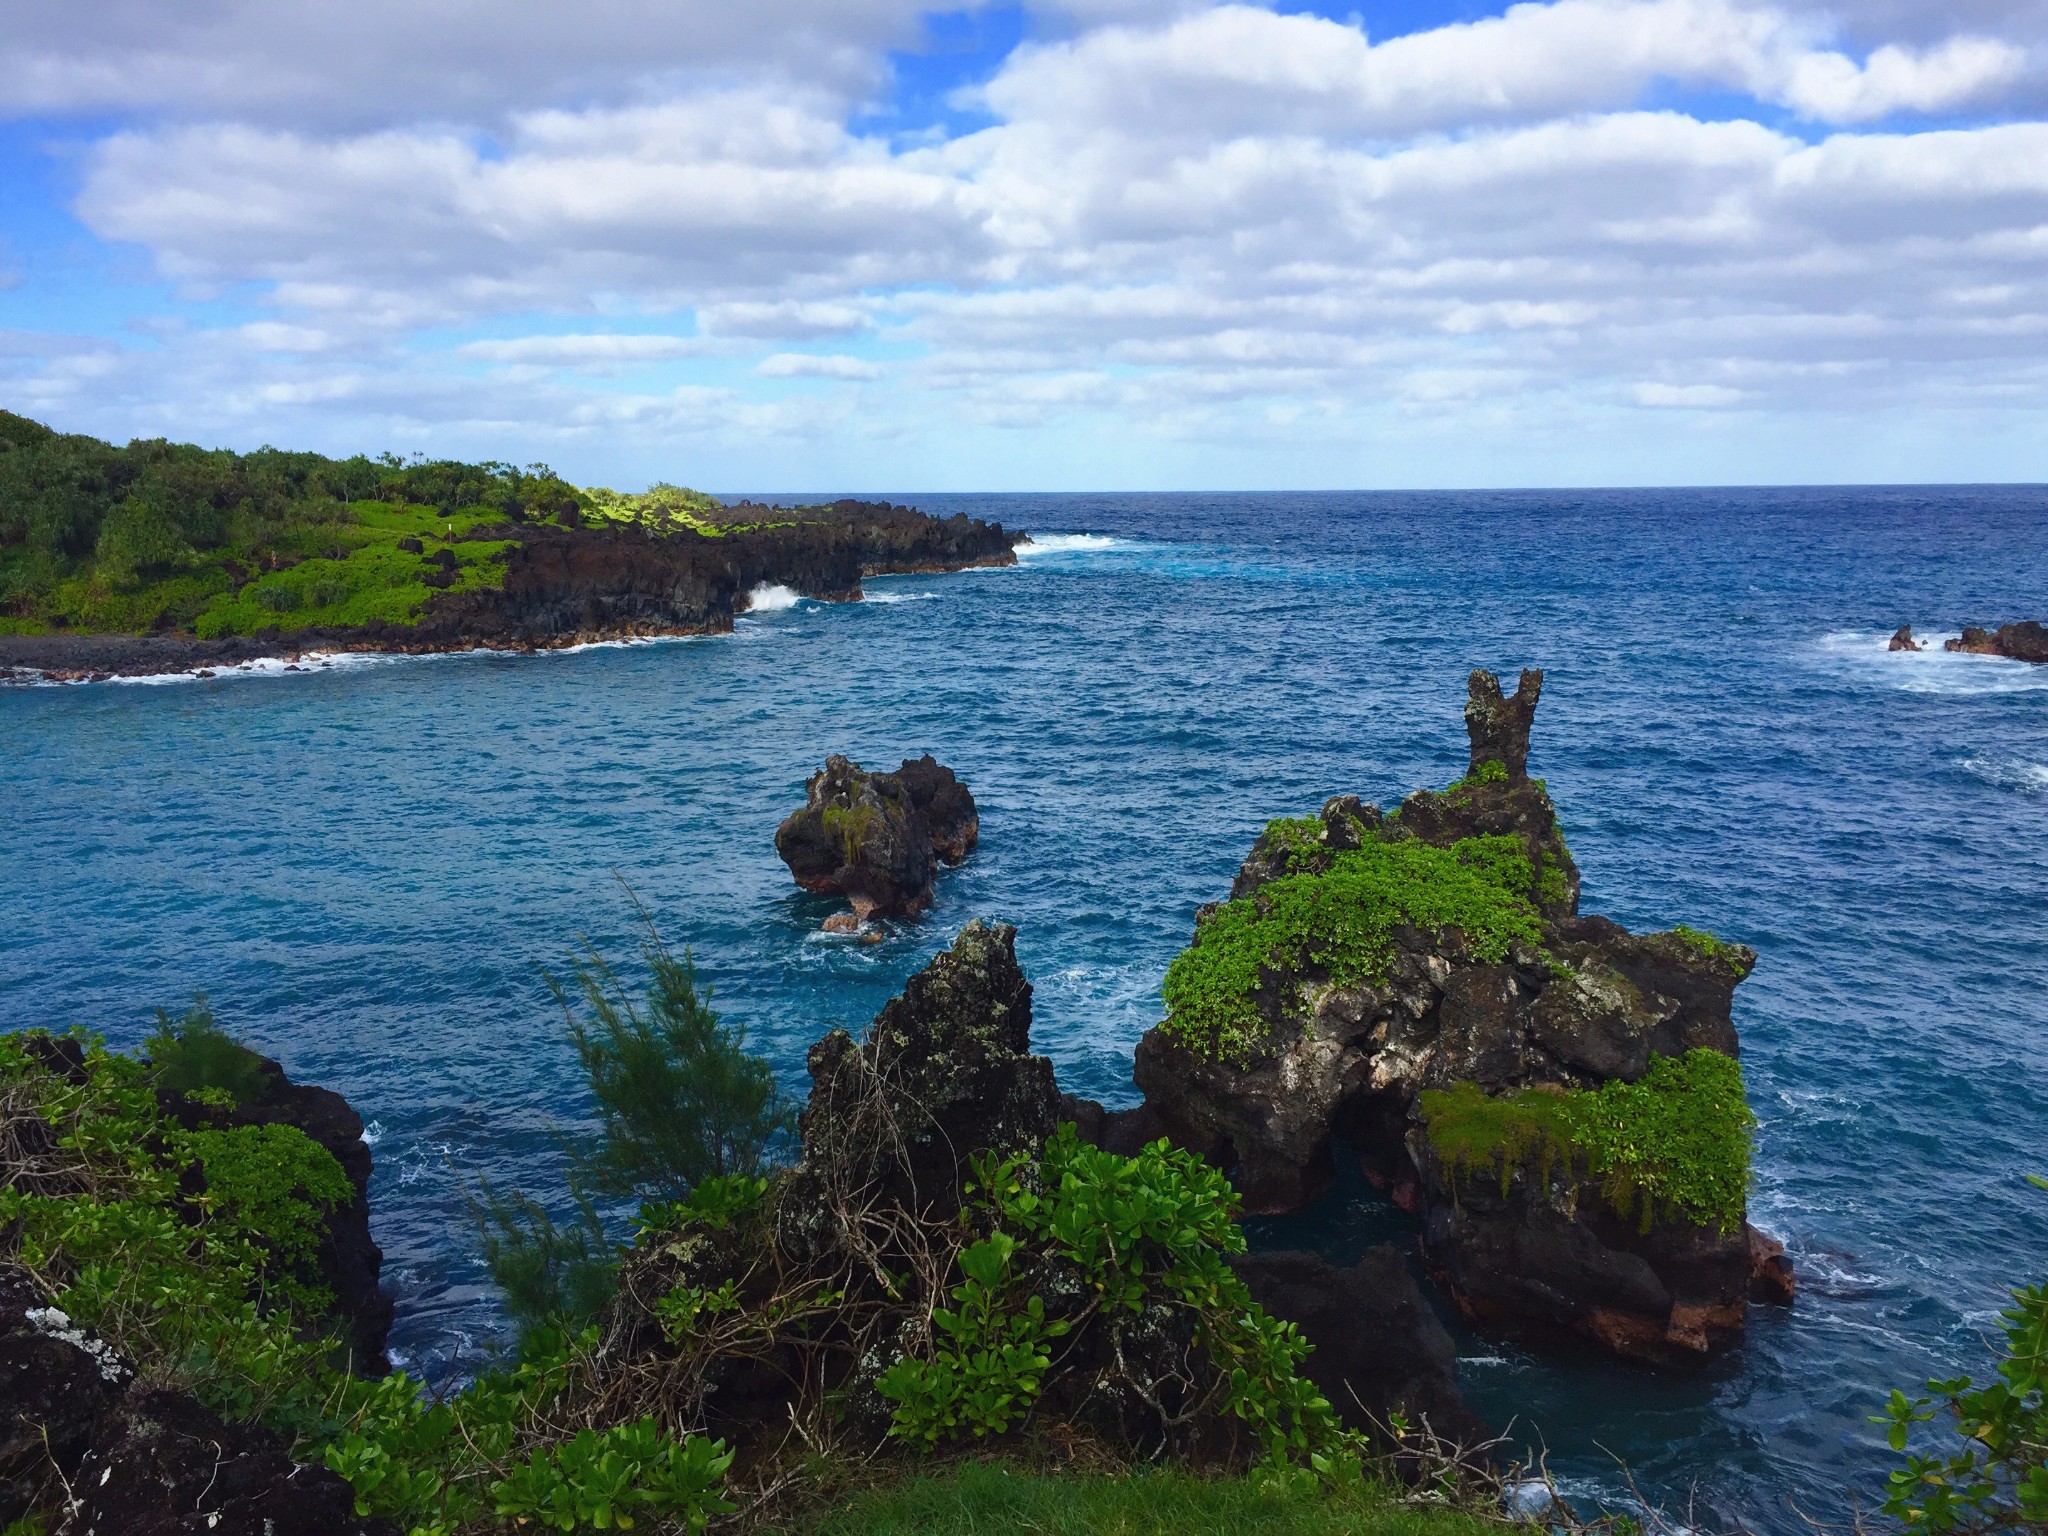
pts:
[369, 868]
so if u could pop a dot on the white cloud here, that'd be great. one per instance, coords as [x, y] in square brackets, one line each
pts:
[1692, 395]
[807, 365]
[1204, 225]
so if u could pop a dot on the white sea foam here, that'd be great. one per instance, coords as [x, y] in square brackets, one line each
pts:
[2012, 773]
[899, 597]
[772, 597]
[1069, 544]
[1865, 655]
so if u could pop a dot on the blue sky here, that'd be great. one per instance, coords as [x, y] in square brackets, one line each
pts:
[812, 245]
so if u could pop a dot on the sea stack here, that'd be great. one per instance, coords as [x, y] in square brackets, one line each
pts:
[2024, 641]
[878, 838]
[1557, 1098]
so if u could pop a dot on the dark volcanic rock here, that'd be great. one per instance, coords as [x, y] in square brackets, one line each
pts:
[1902, 639]
[1348, 1064]
[163, 1465]
[876, 838]
[946, 1071]
[1379, 1349]
[2024, 641]
[139, 1462]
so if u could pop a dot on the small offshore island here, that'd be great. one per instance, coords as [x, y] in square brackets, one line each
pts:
[163, 557]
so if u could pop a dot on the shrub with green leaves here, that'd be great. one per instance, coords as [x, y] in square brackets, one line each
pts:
[1994, 1475]
[193, 1054]
[1148, 1233]
[1341, 921]
[1675, 1144]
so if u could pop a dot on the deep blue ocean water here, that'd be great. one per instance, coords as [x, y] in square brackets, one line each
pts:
[367, 868]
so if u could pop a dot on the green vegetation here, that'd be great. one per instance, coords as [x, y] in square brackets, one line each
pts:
[662, 508]
[1674, 1145]
[1492, 771]
[985, 1499]
[1342, 922]
[686, 1118]
[165, 535]
[193, 1055]
[198, 1291]
[1147, 1234]
[1995, 1477]
[1706, 946]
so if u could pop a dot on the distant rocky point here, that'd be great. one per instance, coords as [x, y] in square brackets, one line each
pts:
[878, 838]
[2024, 641]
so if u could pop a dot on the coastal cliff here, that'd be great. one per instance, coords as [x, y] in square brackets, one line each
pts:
[162, 557]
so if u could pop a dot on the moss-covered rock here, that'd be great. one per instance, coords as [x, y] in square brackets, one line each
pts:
[1421, 988]
[878, 838]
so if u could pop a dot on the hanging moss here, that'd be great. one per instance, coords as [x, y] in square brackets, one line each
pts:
[1673, 1146]
[1342, 922]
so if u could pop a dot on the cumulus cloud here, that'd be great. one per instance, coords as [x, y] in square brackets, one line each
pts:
[808, 365]
[1195, 221]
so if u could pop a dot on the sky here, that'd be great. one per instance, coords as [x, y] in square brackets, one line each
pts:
[863, 245]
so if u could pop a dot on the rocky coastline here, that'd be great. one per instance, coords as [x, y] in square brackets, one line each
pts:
[576, 584]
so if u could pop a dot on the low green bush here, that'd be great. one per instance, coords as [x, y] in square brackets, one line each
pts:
[1341, 921]
[192, 1053]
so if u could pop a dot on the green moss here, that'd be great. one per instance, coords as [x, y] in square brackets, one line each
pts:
[1706, 946]
[1342, 922]
[1674, 1145]
[850, 825]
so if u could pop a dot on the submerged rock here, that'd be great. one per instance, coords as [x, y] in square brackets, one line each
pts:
[2024, 641]
[878, 838]
[1419, 990]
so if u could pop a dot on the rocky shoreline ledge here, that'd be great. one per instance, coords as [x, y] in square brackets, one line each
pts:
[575, 585]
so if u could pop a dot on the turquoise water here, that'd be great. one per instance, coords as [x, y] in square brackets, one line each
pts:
[367, 868]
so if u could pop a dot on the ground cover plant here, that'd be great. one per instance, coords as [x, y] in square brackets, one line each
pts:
[1341, 918]
[1674, 1145]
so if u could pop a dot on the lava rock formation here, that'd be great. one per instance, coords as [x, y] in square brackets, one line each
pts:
[878, 838]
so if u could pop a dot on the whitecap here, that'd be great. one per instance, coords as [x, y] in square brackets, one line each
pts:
[1866, 656]
[2012, 773]
[772, 597]
[1069, 544]
[373, 1133]
[899, 597]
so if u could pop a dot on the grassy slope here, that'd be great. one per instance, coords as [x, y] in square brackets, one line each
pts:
[983, 1499]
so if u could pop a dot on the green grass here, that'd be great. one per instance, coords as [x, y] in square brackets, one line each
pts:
[984, 1499]
[1342, 921]
[1675, 1144]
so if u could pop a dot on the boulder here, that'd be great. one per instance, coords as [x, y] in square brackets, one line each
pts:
[877, 838]
[1379, 1349]
[1340, 1061]
[2024, 641]
[1902, 639]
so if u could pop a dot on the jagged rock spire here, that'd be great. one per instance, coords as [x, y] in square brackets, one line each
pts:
[1499, 727]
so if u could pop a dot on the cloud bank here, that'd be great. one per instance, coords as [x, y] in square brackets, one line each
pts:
[1585, 239]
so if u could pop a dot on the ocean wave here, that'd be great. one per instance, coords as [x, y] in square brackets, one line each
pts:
[772, 597]
[1043, 544]
[899, 597]
[2012, 773]
[1866, 655]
